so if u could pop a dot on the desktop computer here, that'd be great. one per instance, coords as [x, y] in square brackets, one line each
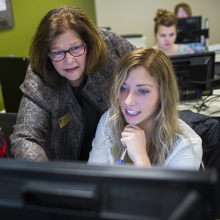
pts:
[195, 74]
[12, 74]
[190, 32]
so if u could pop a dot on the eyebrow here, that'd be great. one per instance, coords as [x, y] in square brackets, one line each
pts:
[168, 34]
[139, 85]
[71, 45]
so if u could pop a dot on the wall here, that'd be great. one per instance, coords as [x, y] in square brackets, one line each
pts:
[136, 16]
[27, 15]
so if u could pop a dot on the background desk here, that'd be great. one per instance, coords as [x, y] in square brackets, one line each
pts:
[211, 107]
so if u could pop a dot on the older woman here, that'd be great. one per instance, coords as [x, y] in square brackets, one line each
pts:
[66, 89]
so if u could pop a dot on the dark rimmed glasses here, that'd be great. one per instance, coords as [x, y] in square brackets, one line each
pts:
[74, 51]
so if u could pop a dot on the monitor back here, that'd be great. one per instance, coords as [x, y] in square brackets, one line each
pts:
[12, 74]
[66, 190]
[189, 32]
[198, 67]
[189, 23]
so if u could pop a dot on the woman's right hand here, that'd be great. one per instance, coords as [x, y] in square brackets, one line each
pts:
[134, 139]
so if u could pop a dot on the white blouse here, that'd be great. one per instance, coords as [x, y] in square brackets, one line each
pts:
[184, 156]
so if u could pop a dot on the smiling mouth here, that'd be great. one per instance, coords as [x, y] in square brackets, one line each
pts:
[132, 112]
[72, 68]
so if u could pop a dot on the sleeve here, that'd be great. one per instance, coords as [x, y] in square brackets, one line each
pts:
[186, 155]
[28, 138]
[99, 155]
[124, 46]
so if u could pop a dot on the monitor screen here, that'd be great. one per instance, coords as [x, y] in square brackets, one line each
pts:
[67, 190]
[194, 73]
[12, 74]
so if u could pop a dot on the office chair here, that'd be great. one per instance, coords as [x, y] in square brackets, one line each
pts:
[7, 121]
[208, 128]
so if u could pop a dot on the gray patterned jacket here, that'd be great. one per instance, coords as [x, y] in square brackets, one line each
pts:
[37, 135]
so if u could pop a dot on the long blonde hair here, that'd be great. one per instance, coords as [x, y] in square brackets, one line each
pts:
[166, 122]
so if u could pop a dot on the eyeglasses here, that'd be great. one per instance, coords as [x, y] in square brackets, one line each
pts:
[60, 55]
[182, 12]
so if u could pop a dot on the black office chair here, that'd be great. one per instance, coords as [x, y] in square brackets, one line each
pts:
[7, 121]
[208, 128]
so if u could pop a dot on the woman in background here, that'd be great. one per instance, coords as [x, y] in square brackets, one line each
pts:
[143, 119]
[66, 89]
[182, 10]
[165, 32]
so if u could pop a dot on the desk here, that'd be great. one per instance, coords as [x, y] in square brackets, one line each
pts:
[214, 104]
[217, 57]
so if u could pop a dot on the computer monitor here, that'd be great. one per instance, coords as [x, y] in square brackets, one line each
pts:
[190, 32]
[12, 74]
[6, 14]
[67, 190]
[195, 74]
[189, 23]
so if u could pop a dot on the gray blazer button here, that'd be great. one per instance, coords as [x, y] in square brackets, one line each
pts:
[99, 99]
[88, 87]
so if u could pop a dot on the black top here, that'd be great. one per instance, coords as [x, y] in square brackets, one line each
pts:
[91, 116]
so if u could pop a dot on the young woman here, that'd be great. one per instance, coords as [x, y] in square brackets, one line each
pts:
[66, 89]
[165, 32]
[143, 117]
[182, 10]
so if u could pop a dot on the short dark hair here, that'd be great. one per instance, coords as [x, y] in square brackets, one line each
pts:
[54, 23]
[185, 6]
[165, 18]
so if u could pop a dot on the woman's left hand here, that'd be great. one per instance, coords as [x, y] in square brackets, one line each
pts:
[134, 139]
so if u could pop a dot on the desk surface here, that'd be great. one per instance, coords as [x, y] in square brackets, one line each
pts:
[217, 57]
[211, 104]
